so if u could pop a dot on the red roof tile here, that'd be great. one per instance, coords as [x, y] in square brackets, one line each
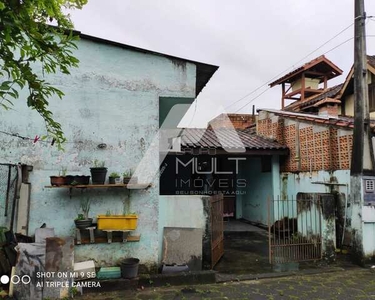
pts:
[320, 62]
[228, 138]
[340, 121]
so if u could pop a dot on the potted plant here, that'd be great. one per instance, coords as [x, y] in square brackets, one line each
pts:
[62, 179]
[68, 178]
[98, 172]
[81, 180]
[117, 222]
[114, 178]
[83, 221]
[128, 177]
[126, 221]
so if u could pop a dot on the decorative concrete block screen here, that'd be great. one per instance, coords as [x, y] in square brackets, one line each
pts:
[312, 147]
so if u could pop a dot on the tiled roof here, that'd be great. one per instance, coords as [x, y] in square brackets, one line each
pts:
[327, 100]
[340, 121]
[227, 138]
[330, 93]
[321, 62]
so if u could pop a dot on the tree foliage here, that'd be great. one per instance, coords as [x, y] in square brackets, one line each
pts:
[30, 48]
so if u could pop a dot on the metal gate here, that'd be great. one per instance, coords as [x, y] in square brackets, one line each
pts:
[217, 228]
[295, 229]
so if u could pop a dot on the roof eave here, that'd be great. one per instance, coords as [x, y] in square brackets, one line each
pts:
[248, 151]
[305, 67]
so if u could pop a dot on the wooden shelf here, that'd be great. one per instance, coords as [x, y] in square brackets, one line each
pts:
[137, 186]
[132, 186]
[103, 240]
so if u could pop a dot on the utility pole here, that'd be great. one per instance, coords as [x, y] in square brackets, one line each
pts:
[362, 154]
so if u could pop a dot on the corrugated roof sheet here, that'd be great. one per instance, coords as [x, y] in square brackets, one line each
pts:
[227, 138]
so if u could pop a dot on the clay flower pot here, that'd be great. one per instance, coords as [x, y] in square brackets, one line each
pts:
[57, 180]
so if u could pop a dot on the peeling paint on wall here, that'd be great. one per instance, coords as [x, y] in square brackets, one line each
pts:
[111, 99]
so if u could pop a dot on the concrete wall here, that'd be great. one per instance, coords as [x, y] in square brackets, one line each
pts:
[306, 182]
[309, 82]
[112, 98]
[180, 211]
[349, 105]
[368, 227]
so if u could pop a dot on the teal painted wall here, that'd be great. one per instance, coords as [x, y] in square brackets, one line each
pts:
[112, 98]
[258, 189]
[293, 183]
[306, 182]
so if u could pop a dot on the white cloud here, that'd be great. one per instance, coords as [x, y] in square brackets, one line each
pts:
[251, 41]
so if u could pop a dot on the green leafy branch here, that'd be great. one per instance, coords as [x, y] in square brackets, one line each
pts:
[29, 43]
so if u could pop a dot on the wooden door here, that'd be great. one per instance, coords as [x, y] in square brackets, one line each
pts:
[217, 228]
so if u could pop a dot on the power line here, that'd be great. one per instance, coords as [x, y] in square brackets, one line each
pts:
[330, 50]
[371, 18]
[253, 100]
[281, 73]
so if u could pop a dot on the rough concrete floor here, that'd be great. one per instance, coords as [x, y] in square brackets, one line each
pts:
[246, 252]
[232, 225]
[351, 284]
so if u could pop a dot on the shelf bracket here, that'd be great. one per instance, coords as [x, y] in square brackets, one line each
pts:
[78, 235]
[125, 236]
[92, 238]
[109, 237]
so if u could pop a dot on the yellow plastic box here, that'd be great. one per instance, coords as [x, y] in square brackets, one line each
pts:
[114, 222]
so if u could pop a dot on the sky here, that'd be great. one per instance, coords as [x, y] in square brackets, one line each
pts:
[251, 41]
